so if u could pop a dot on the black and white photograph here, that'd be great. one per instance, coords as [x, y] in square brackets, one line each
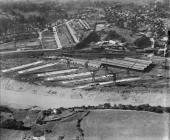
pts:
[84, 69]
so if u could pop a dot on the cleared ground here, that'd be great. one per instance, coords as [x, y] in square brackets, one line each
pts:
[20, 94]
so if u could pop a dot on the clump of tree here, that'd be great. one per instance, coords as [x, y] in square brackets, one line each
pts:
[143, 42]
[144, 107]
[30, 14]
[37, 130]
[113, 35]
[22, 6]
[13, 124]
[5, 109]
[92, 37]
[92, 70]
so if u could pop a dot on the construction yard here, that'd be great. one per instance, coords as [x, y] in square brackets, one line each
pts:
[71, 78]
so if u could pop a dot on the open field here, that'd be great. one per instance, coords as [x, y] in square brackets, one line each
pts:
[103, 124]
[64, 36]
[31, 44]
[6, 134]
[124, 1]
[132, 1]
[120, 125]
[48, 40]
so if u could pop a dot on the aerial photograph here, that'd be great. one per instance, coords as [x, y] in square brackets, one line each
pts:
[84, 69]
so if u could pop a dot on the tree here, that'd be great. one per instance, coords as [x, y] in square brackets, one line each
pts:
[93, 70]
[114, 77]
[93, 74]
[68, 63]
[60, 137]
[108, 71]
[107, 105]
[143, 42]
[92, 37]
[86, 64]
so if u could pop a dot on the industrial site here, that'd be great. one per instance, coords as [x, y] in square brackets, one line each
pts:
[85, 70]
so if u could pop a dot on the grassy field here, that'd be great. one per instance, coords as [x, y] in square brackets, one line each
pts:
[105, 125]
[129, 125]
[6, 134]
[31, 44]
[134, 1]
[123, 1]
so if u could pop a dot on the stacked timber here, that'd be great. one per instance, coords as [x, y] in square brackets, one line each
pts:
[56, 72]
[128, 63]
[147, 62]
[21, 67]
[36, 68]
[109, 82]
[86, 79]
[91, 63]
[68, 77]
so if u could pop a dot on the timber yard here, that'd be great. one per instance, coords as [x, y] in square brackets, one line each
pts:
[66, 65]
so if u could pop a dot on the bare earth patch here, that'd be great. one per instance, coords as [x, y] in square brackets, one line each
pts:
[21, 94]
